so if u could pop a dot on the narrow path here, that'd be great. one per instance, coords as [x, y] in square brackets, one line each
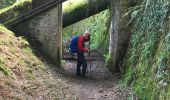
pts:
[102, 86]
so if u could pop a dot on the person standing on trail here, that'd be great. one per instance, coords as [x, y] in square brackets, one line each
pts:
[81, 61]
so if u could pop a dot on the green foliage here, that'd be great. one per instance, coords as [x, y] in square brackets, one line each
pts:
[19, 3]
[3, 68]
[5, 3]
[149, 53]
[72, 5]
[30, 74]
[3, 29]
[107, 58]
[63, 62]
[9, 2]
[97, 25]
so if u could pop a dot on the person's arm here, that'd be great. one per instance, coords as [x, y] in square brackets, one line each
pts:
[80, 44]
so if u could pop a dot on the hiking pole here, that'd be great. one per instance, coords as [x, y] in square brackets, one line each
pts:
[90, 61]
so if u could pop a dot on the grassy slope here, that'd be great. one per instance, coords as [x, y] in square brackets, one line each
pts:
[148, 60]
[23, 75]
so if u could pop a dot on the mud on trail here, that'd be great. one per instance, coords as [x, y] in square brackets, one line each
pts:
[103, 85]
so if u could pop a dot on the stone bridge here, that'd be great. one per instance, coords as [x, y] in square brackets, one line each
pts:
[43, 26]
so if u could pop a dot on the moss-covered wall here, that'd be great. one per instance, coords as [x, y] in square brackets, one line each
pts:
[119, 33]
[147, 64]
[6, 3]
[17, 9]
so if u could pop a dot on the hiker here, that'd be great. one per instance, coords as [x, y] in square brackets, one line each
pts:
[81, 61]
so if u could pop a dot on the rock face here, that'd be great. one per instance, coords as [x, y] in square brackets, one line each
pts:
[44, 31]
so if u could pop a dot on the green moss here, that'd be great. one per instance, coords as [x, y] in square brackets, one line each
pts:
[10, 13]
[72, 5]
[5, 30]
[168, 93]
[3, 67]
[149, 54]
[30, 74]
[19, 3]
[2, 27]
[8, 22]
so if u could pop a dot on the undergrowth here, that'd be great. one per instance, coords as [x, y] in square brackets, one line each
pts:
[148, 60]
[5, 3]
[3, 67]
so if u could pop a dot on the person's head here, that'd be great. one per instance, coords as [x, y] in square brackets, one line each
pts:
[87, 35]
[72, 33]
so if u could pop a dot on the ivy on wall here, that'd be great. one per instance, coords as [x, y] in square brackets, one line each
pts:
[148, 58]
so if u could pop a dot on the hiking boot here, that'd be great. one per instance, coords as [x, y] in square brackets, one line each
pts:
[78, 74]
[83, 76]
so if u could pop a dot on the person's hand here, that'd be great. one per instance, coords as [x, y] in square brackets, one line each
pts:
[88, 50]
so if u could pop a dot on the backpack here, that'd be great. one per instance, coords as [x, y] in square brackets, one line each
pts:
[73, 48]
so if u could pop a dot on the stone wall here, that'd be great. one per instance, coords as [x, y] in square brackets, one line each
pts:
[119, 33]
[44, 31]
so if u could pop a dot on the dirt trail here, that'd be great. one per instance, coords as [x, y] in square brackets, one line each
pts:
[101, 86]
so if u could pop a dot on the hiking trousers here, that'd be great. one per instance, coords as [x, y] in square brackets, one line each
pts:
[81, 61]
